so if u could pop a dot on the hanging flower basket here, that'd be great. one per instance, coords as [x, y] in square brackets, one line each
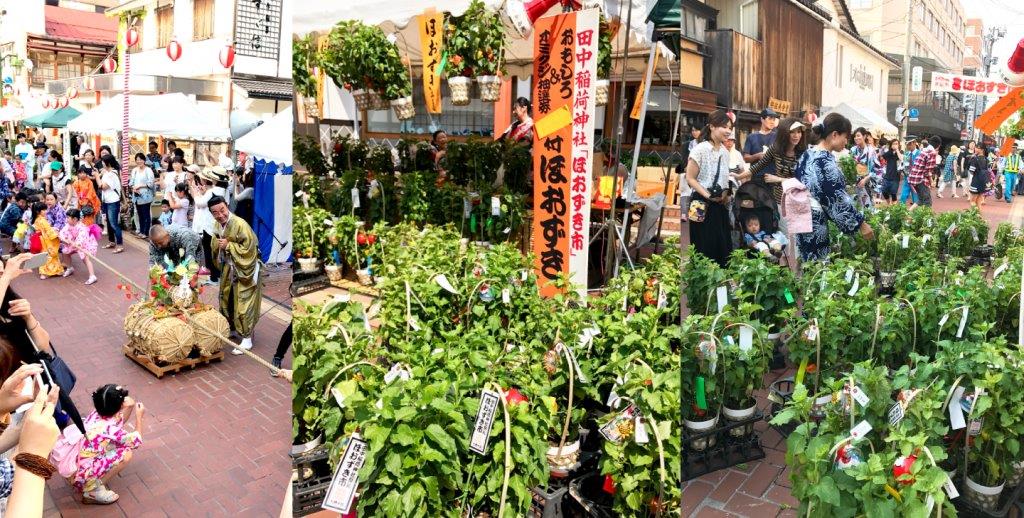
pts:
[311, 107]
[460, 90]
[380, 103]
[364, 99]
[490, 88]
[601, 92]
[404, 109]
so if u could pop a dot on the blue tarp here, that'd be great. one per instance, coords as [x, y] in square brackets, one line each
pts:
[268, 207]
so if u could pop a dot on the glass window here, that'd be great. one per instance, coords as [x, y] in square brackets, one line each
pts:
[693, 25]
[44, 67]
[749, 20]
[69, 66]
[477, 118]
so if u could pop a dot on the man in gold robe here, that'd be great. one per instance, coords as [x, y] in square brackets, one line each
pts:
[238, 255]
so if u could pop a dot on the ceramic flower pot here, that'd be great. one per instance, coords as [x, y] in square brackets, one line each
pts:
[308, 264]
[742, 414]
[404, 109]
[460, 90]
[697, 427]
[490, 88]
[333, 272]
[987, 497]
[601, 92]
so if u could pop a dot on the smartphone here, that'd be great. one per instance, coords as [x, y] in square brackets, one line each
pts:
[36, 261]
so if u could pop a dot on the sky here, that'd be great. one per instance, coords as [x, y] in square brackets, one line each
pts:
[1007, 13]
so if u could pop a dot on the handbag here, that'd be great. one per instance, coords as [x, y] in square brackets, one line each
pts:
[698, 208]
[144, 196]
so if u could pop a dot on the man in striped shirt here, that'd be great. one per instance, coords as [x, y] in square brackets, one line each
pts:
[921, 170]
[1010, 172]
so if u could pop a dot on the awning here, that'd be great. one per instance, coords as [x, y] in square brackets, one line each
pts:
[57, 118]
[270, 140]
[867, 118]
[266, 88]
[168, 115]
[79, 26]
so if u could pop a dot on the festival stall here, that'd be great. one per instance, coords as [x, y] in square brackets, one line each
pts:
[168, 115]
[57, 119]
[272, 165]
[865, 118]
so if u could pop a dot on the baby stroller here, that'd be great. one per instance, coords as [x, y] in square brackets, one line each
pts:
[754, 197]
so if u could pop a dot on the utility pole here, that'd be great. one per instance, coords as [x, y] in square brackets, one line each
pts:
[906, 73]
[987, 42]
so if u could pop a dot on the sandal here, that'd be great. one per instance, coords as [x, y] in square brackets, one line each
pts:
[101, 496]
[108, 246]
[119, 250]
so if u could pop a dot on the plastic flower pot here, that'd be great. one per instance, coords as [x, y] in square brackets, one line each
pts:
[333, 272]
[379, 103]
[364, 276]
[701, 443]
[734, 415]
[887, 279]
[308, 264]
[460, 90]
[601, 92]
[490, 88]
[1016, 475]
[299, 449]
[987, 497]
[567, 460]
[404, 109]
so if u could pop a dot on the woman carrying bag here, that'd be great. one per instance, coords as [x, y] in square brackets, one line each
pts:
[707, 174]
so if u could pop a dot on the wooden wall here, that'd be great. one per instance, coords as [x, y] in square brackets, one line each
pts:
[792, 57]
[735, 70]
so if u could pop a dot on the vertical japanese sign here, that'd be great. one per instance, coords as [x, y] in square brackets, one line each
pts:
[565, 68]
[431, 25]
[342, 491]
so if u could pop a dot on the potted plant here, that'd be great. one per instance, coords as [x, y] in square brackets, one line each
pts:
[304, 69]
[308, 238]
[744, 367]
[702, 393]
[476, 45]
[347, 56]
[604, 62]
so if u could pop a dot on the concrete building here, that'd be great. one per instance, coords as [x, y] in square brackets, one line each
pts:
[938, 28]
[973, 45]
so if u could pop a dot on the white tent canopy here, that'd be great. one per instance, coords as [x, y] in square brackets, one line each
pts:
[271, 141]
[867, 118]
[171, 115]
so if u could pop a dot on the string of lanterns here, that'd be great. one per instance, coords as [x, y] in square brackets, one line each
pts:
[226, 56]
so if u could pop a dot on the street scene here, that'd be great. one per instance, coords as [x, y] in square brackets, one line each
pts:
[145, 234]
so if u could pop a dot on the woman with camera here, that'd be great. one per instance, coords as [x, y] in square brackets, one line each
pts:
[707, 173]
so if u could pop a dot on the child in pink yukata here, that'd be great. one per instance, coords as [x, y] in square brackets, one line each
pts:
[75, 237]
[108, 444]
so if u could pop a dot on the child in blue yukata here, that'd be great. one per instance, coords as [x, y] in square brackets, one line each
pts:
[760, 240]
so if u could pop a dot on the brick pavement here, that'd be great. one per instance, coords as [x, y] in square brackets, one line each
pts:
[762, 488]
[216, 439]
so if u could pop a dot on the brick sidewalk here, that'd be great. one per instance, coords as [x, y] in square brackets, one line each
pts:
[762, 488]
[216, 439]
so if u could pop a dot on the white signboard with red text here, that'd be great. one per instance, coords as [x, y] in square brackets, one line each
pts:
[968, 84]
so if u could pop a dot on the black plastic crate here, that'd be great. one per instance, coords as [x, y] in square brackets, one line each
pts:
[303, 283]
[549, 501]
[314, 478]
[721, 449]
[587, 498]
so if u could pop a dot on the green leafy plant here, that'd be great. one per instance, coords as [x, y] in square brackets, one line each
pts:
[304, 58]
[475, 42]
[604, 49]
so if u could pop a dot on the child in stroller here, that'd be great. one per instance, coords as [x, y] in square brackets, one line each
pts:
[760, 240]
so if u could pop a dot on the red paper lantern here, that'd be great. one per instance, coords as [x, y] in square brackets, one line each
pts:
[109, 65]
[46, 103]
[227, 56]
[64, 102]
[89, 83]
[174, 50]
[72, 93]
[131, 37]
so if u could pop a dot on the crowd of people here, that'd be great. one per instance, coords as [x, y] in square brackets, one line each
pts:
[800, 163]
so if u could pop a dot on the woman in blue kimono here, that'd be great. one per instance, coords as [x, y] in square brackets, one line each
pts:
[819, 171]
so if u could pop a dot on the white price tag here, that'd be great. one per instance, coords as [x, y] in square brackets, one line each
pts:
[484, 421]
[950, 488]
[442, 280]
[640, 431]
[849, 274]
[662, 296]
[414, 324]
[999, 270]
[860, 396]
[523, 275]
[963, 323]
[862, 429]
[722, 294]
[355, 198]
[906, 240]
[495, 206]
[746, 338]
[338, 397]
[956, 413]
[943, 320]
[895, 414]
[855, 287]
[342, 491]
[506, 297]
[507, 230]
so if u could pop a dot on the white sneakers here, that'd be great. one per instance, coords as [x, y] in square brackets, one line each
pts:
[69, 271]
[246, 344]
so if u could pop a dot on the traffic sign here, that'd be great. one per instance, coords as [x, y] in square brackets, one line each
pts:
[914, 112]
[916, 79]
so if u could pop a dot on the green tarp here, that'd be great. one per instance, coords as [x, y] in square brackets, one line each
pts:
[665, 14]
[52, 118]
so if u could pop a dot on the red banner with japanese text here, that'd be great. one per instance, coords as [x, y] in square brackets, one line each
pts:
[565, 73]
[431, 29]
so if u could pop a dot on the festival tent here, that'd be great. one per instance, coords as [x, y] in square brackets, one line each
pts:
[11, 113]
[270, 146]
[866, 118]
[56, 118]
[171, 115]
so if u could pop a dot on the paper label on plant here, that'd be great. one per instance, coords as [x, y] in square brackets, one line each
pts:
[484, 421]
[925, 238]
[861, 430]
[943, 320]
[859, 396]
[442, 281]
[950, 488]
[812, 333]
[722, 295]
[856, 285]
[849, 274]
[355, 198]
[895, 414]
[495, 206]
[963, 323]
[413, 324]
[951, 228]
[640, 431]
[728, 338]
[342, 490]
[523, 275]
[467, 208]
[956, 412]
[507, 230]
[506, 297]
[373, 311]
[662, 296]
[572, 359]
[339, 398]
[746, 338]
[999, 270]
[975, 428]
[621, 426]
[396, 372]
